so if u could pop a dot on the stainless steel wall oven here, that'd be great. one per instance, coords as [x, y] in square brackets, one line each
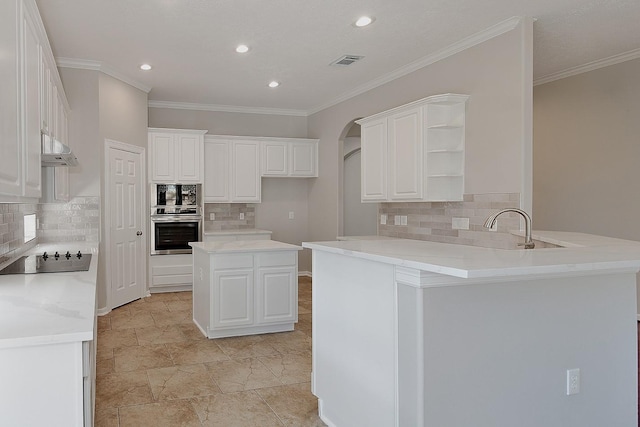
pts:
[176, 218]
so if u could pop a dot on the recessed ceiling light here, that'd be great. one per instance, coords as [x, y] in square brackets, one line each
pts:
[363, 21]
[145, 67]
[274, 84]
[242, 48]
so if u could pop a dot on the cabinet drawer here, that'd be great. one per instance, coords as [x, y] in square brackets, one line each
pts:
[276, 259]
[232, 261]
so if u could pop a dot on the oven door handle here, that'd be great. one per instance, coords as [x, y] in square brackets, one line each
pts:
[176, 218]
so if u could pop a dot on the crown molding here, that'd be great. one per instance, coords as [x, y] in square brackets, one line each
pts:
[466, 43]
[589, 66]
[226, 108]
[86, 64]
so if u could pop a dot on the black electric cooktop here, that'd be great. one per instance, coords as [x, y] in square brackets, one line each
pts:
[47, 263]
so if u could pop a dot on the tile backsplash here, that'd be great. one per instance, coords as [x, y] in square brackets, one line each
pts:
[227, 216]
[433, 220]
[75, 221]
[12, 229]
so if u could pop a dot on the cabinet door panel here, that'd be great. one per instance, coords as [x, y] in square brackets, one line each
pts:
[405, 155]
[216, 171]
[31, 108]
[188, 158]
[162, 161]
[277, 295]
[232, 298]
[275, 160]
[245, 169]
[303, 159]
[374, 161]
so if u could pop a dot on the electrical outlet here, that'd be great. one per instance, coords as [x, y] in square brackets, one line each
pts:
[383, 219]
[403, 220]
[460, 223]
[212, 216]
[573, 381]
[241, 215]
[396, 220]
[292, 215]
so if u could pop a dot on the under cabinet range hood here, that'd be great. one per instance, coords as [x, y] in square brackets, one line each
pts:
[56, 154]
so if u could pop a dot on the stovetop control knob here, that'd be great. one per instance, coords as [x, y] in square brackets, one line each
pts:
[45, 256]
[57, 255]
[67, 255]
[79, 254]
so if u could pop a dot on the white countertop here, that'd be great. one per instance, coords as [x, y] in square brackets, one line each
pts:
[580, 253]
[235, 232]
[49, 308]
[243, 246]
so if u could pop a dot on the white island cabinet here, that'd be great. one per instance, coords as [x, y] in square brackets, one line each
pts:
[415, 333]
[47, 346]
[244, 287]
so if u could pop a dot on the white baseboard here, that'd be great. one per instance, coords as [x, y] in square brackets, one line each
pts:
[304, 274]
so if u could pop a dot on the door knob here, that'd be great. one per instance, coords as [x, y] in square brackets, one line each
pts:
[139, 233]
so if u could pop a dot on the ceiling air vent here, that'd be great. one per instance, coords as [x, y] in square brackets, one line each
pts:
[346, 60]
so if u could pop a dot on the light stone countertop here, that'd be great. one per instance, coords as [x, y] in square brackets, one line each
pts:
[49, 308]
[580, 253]
[209, 232]
[237, 246]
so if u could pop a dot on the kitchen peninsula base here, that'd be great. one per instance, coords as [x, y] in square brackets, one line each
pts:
[244, 287]
[397, 342]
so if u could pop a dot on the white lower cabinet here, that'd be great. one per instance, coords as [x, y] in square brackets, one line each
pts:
[245, 293]
[170, 273]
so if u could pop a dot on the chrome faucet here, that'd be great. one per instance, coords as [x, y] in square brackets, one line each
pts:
[528, 242]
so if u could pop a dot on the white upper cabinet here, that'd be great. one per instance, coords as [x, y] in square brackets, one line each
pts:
[415, 152]
[289, 157]
[176, 155]
[232, 170]
[29, 75]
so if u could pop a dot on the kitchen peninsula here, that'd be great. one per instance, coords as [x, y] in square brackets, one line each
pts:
[416, 333]
[244, 287]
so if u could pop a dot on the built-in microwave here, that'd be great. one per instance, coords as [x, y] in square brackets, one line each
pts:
[176, 199]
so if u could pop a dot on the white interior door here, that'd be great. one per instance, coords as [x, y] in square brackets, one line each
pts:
[126, 242]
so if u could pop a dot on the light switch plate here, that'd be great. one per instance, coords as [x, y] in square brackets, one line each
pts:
[212, 216]
[396, 220]
[241, 215]
[383, 219]
[292, 215]
[403, 220]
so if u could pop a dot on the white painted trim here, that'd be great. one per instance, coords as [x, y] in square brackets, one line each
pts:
[85, 64]
[466, 43]
[526, 178]
[589, 66]
[304, 274]
[226, 108]
[116, 145]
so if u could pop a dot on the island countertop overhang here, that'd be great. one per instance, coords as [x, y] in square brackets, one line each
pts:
[581, 253]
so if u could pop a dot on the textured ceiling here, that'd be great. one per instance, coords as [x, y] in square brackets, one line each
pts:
[190, 43]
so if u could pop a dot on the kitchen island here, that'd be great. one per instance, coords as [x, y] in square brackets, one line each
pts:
[415, 333]
[47, 344]
[244, 287]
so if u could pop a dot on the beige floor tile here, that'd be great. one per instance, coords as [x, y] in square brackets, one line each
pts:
[104, 323]
[244, 347]
[104, 366]
[180, 305]
[149, 306]
[287, 342]
[199, 351]
[164, 296]
[192, 332]
[118, 312]
[103, 352]
[241, 375]
[303, 310]
[134, 320]
[172, 318]
[106, 418]
[242, 409]
[119, 389]
[179, 382]
[177, 413]
[304, 324]
[116, 338]
[128, 359]
[294, 404]
[159, 335]
[291, 368]
[187, 295]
